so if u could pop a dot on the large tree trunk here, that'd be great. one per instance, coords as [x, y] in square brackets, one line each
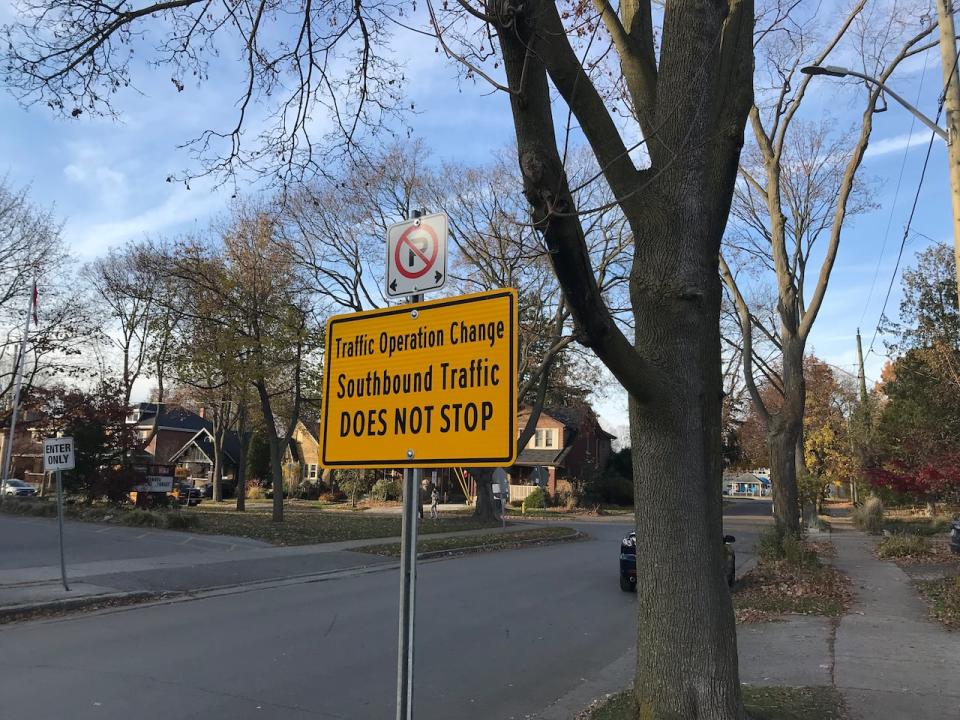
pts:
[242, 461]
[276, 472]
[486, 508]
[217, 475]
[276, 449]
[784, 435]
[687, 646]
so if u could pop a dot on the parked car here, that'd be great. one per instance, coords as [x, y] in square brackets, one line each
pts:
[19, 488]
[628, 561]
[955, 535]
[186, 495]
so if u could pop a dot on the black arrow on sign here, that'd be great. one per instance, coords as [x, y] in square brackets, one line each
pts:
[393, 285]
[437, 276]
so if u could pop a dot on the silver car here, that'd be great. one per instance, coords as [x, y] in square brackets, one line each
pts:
[18, 488]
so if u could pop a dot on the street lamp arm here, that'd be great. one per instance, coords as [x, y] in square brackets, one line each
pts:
[841, 72]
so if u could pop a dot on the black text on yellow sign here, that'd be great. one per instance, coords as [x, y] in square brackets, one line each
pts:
[427, 385]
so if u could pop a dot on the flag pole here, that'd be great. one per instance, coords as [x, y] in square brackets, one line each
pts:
[18, 384]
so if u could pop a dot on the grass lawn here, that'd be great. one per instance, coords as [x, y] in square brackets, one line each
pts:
[313, 526]
[300, 526]
[762, 703]
[778, 587]
[618, 510]
[479, 543]
[917, 525]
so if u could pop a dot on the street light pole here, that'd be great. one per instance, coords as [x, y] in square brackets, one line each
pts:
[951, 104]
[948, 50]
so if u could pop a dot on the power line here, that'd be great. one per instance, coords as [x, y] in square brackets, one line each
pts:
[896, 195]
[913, 209]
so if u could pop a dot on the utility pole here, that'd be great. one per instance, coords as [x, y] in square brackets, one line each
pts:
[951, 84]
[861, 375]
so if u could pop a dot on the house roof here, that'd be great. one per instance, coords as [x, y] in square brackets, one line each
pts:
[203, 439]
[172, 417]
[552, 457]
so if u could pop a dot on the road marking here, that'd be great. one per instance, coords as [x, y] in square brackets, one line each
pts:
[141, 537]
[103, 530]
[184, 542]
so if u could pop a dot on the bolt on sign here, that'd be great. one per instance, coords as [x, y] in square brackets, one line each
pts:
[58, 454]
[430, 384]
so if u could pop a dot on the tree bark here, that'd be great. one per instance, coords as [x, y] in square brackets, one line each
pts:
[217, 475]
[683, 601]
[242, 463]
[784, 437]
[485, 508]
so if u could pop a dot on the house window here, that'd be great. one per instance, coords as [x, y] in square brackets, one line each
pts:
[313, 472]
[543, 438]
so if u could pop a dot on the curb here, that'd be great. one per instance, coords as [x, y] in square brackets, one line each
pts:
[53, 607]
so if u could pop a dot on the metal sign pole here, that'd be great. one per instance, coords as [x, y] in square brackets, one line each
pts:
[408, 580]
[408, 594]
[63, 562]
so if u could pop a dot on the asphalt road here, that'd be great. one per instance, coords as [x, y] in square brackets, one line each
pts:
[499, 635]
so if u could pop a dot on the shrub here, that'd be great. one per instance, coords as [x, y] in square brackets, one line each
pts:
[334, 496]
[769, 545]
[516, 503]
[775, 544]
[386, 489]
[536, 499]
[869, 516]
[255, 492]
[37, 507]
[898, 546]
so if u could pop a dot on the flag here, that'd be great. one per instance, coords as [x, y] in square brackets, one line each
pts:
[35, 320]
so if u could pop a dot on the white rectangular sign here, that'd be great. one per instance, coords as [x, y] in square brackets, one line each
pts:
[416, 255]
[58, 454]
[155, 483]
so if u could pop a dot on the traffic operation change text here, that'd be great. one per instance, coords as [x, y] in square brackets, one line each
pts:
[431, 384]
[58, 454]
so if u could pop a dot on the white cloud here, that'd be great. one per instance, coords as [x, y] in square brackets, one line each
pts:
[180, 208]
[89, 169]
[897, 143]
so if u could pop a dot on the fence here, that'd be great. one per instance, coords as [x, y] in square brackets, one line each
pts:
[521, 492]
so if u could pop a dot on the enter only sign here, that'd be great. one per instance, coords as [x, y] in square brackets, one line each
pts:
[432, 384]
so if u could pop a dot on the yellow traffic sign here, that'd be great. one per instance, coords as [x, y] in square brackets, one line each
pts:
[431, 384]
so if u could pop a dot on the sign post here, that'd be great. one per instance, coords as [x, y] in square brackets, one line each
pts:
[424, 385]
[59, 455]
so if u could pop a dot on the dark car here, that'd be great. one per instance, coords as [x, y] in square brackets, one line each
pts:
[628, 561]
[186, 495]
[18, 488]
[955, 536]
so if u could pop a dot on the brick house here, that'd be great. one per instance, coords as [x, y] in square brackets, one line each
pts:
[568, 447]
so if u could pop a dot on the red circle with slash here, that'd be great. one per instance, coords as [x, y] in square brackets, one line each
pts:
[408, 243]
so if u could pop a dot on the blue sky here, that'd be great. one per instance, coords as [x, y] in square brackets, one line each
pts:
[106, 179]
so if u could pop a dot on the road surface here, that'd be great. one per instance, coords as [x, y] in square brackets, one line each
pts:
[499, 635]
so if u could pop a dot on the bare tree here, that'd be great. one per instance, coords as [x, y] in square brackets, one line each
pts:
[126, 290]
[798, 188]
[32, 251]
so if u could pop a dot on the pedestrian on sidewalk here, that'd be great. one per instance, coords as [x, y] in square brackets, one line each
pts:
[434, 499]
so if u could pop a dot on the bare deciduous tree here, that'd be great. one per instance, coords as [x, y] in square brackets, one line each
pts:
[799, 186]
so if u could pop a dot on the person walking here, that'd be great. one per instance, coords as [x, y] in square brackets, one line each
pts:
[434, 499]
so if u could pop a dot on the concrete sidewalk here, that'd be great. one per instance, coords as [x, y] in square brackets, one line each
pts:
[25, 588]
[891, 661]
